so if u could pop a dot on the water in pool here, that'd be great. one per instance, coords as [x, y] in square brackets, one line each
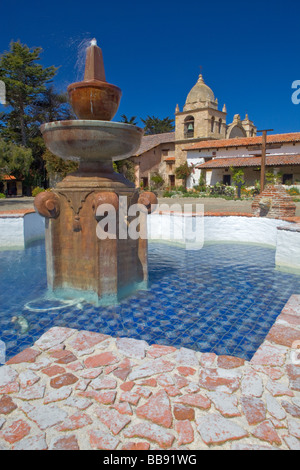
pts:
[223, 298]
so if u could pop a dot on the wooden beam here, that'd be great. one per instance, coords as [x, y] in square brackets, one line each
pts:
[263, 157]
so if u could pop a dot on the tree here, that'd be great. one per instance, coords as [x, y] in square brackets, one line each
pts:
[51, 106]
[25, 80]
[182, 172]
[56, 166]
[127, 120]
[14, 159]
[154, 125]
[157, 180]
[238, 178]
[125, 167]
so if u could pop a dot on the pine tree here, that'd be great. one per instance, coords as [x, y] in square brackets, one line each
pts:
[24, 79]
[155, 125]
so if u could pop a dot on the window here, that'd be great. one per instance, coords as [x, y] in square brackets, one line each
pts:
[172, 180]
[165, 152]
[287, 179]
[220, 126]
[145, 182]
[226, 180]
[212, 124]
[189, 124]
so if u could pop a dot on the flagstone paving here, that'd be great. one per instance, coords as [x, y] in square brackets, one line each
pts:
[80, 390]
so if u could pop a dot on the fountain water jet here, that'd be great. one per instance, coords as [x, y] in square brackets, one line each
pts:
[77, 260]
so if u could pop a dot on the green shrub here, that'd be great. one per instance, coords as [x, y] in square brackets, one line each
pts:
[168, 193]
[158, 180]
[293, 191]
[37, 190]
[2, 196]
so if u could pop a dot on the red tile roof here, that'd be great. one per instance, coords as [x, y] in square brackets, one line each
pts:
[150, 141]
[8, 177]
[244, 141]
[271, 160]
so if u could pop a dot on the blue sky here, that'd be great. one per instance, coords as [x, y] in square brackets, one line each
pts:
[248, 51]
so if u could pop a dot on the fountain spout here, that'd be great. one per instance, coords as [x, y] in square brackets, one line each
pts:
[94, 67]
[94, 98]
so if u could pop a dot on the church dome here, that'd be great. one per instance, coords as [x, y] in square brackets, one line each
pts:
[200, 92]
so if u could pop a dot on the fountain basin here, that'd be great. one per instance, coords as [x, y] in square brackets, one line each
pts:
[94, 99]
[89, 140]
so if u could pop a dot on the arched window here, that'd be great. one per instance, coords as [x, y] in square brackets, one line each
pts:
[220, 126]
[189, 126]
[213, 124]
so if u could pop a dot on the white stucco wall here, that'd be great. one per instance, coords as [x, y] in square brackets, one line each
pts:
[288, 249]
[34, 227]
[214, 229]
[11, 232]
[17, 230]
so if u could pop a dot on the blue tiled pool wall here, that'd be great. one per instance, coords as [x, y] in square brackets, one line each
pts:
[223, 298]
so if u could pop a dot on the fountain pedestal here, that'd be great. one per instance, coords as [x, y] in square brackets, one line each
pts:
[81, 259]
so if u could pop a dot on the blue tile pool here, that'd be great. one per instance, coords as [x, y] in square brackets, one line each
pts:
[223, 298]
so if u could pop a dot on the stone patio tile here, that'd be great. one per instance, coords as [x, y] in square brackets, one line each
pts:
[7, 405]
[266, 432]
[187, 357]
[254, 409]
[103, 440]
[185, 432]
[284, 335]
[28, 355]
[84, 342]
[152, 432]
[152, 367]
[100, 360]
[77, 421]
[46, 416]
[274, 407]
[64, 443]
[37, 442]
[54, 337]
[195, 399]
[252, 384]
[157, 410]
[294, 427]
[219, 379]
[269, 355]
[15, 431]
[157, 350]
[133, 348]
[7, 376]
[215, 429]
[114, 420]
[63, 380]
[225, 403]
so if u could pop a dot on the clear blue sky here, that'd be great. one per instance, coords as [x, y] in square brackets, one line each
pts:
[249, 51]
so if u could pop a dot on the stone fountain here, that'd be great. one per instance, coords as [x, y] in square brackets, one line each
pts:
[78, 261]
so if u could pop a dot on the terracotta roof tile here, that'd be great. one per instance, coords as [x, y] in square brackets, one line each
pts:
[244, 141]
[151, 141]
[8, 177]
[272, 160]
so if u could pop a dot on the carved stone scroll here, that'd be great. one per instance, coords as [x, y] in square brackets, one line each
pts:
[149, 200]
[47, 204]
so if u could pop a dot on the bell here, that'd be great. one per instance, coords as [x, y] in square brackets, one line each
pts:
[190, 127]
